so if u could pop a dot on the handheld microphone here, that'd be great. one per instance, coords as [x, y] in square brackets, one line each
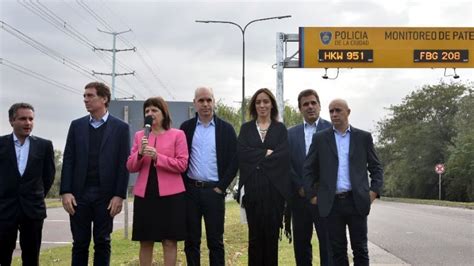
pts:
[148, 122]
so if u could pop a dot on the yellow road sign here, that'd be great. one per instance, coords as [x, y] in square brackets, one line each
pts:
[386, 47]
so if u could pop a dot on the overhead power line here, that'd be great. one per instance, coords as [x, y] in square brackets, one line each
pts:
[114, 51]
[49, 16]
[119, 62]
[46, 50]
[147, 65]
[150, 68]
[58, 23]
[104, 23]
[38, 76]
[53, 19]
[95, 15]
[52, 53]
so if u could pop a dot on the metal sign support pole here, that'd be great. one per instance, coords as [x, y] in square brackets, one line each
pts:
[125, 205]
[280, 60]
[439, 186]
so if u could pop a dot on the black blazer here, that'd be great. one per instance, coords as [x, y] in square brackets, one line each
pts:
[226, 149]
[254, 162]
[320, 169]
[114, 151]
[25, 193]
[296, 141]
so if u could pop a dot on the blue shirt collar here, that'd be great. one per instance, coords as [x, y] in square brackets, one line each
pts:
[348, 130]
[16, 140]
[315, 124]
[103, 119]
[199, 122]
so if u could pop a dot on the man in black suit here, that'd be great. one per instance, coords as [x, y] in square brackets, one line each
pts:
[26, 175]
[304, 214]
[212, 145]
[94, 178]
[337, 165]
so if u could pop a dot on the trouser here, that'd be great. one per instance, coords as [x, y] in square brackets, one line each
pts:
[30, 239]
[204, 202]
[304, 216]
[344, 213]
[263, 237]
[91, 209]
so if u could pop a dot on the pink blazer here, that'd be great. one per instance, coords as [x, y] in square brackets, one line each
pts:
[172, 160]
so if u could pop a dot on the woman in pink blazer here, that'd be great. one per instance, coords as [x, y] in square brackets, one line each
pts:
[159, 205]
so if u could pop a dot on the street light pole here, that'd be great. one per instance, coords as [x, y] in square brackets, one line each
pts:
[242, 30]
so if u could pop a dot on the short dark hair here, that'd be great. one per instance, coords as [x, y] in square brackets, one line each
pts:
[102, 90]
[163, 106]
[307, 93]
[253, 109]
[14, 108]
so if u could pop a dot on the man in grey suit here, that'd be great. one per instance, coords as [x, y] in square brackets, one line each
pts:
[304, 214]
[337, 165]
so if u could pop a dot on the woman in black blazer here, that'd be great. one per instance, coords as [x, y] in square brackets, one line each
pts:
[264, 181]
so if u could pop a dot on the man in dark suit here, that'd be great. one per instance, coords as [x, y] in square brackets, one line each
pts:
[94, 178]
[304, 214]
[26, 175]
[212, 145]
[337, 165]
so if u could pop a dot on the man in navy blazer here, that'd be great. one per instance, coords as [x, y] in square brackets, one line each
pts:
[304, 214]
[337, 165]
[94, 177]
[26, 175]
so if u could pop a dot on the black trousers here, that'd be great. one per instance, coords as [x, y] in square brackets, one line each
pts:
[304, 216]
[30, 239]
[263, 237]
[91, 209]
[344, 213]
[204, 202]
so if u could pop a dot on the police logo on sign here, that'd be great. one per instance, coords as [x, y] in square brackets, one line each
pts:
[326, 37]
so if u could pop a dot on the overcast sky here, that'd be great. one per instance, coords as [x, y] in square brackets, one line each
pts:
[175, 54]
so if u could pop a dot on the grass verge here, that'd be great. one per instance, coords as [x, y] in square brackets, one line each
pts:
[56, 202]
[53, 202]
[445, 203]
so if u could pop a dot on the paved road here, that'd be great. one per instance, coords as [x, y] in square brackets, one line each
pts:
[423, 234]
[56, 230]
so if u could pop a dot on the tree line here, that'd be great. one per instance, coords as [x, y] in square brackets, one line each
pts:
[434, 124]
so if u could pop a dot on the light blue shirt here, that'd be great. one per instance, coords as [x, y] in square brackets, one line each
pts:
[203, 159]
[21, 153]
[97, 123]
[342, 143]
[309, 130]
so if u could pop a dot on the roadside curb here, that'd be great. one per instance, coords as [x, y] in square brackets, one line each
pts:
[379, 256]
